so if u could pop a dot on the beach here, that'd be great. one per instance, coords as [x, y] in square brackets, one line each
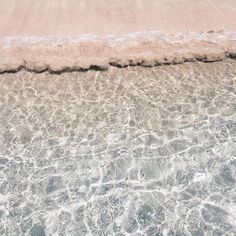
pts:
[118, 118]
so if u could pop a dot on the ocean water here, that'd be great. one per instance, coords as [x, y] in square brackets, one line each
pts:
[132, 151]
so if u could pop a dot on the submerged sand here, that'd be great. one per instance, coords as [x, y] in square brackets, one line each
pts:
[127, 151]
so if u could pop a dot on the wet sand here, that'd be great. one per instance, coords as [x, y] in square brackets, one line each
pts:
[81, 53]
[103, 17]
[129, 151]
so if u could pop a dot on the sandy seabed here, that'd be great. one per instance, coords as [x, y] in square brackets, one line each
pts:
[129, 151]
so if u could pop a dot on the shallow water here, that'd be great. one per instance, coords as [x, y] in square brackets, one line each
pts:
[133, 151]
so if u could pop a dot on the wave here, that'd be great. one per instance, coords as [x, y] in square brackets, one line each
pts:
[61, 53]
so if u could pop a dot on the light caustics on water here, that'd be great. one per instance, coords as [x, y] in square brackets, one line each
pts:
[127, 151]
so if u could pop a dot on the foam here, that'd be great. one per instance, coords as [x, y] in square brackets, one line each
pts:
[59, 53]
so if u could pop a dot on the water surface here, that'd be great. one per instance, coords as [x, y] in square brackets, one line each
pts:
[133, 151]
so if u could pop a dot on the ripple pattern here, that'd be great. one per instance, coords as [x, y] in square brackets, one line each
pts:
[133, 151]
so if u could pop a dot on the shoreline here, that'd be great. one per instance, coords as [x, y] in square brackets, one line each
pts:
[57, 54]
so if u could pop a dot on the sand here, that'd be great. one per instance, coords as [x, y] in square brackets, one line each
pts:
[144, 49]
[98, 136]
[103, 17]
[80, 35]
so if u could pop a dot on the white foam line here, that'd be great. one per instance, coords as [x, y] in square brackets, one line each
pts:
[7, 42]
